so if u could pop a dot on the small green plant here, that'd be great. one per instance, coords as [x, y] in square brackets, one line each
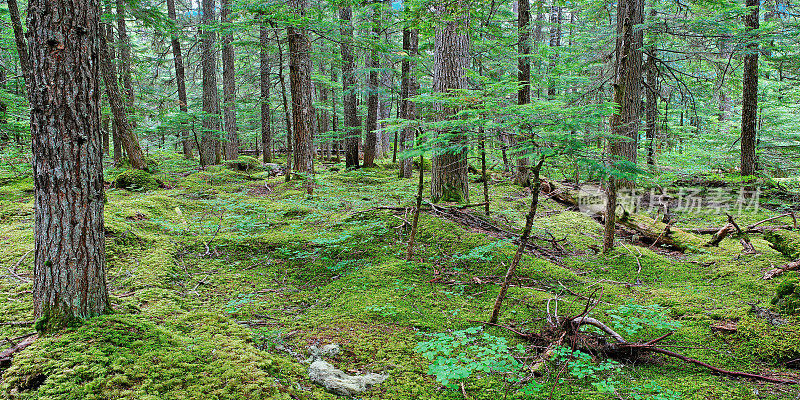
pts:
[458, 355]
[632, 318]
[581, 366]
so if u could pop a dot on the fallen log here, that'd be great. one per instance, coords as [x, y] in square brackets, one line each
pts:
[792, 266]
[7, 354]
[659, 233]
[721, 234]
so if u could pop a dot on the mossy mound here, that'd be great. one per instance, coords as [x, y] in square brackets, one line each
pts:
[128, 357]
[135, 180]
[787, 295]
[767, 342]
[244, 163]
[786, 242]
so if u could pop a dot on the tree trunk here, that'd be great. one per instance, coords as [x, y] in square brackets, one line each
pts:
[555, 41]
[124, 131]
[69, 262]
[125, 58]
[352, 124]
[628, 78]
[451, 58]
[211, 124]
[524, 77]
[180, 80]
[750, 94]
[229, 84]
[322, 115]
[627, 95]
[287, 114]
[302, 102]
[373, 63]
[336, 143]
[408, 89]
[19, 41]
[266, 112]
[651, 116]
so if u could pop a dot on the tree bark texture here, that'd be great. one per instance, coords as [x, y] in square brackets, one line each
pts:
[524, 77]
[266, 111]
[628, 79]
[451, 58]
[351, 123]
[69, 267]
[750, 94]
[180, 81]
[302, 102]
[211, 124]
[408, 89]
[373, 63]
[229, 84]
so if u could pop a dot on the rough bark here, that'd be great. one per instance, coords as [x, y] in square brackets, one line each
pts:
[352, 124]
[266, 112]
[286, 112]
[521, 175]
[125, 57]
[408, 89]
[373, 63]
[124, 131]
[209, 145]
[451, 57]
[229, 84]
[323, 121]
[750, 94]
[627, 85]
[180, 81]
[651, 107]
[302, 102]
[69, 262]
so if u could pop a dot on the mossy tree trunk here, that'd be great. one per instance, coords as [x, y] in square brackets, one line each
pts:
[451, 58]
[69, 267]
[209, 144]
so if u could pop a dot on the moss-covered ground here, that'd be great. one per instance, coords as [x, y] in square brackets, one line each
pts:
[221, 279]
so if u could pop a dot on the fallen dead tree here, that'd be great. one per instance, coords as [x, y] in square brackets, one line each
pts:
[659, 233]
[7, 354]
[792, 266]
[613, 345]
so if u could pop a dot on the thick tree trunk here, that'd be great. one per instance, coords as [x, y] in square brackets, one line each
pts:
[209, 145]
[524, 77]
[302, 102]
[352, 124]
[19, 41]
[451, 57]
[750, 94]
[180, 80]
[69, 262]
[266, 111]
[124, 131]
[373, 63]
[229, 85]
[287, 114]
[408, 89]
[628, 78]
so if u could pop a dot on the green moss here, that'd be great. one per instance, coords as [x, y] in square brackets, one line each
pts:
[135, 180]
[767, 342]
[786, 242]
[244, 164]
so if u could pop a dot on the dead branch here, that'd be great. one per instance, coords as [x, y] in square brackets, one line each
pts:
[7, 354]
[792, 266]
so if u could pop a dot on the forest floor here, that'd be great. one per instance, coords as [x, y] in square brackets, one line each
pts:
[221, 280]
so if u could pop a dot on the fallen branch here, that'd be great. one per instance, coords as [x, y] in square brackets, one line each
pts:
[16, 323]
[7, 354]
[792, 266]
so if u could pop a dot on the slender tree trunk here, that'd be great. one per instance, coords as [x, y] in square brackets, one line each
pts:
[408, 89]
[524, 77]
[229, 84]
[19, 41]
[555, 42]
[106, 132]
[523, 241]
[352, 124]
[3, 105]
[209, 145]
[125, 58]
[266, 111]
[651, 116]
[415, 221]
[287, 114]
[750, 94]
[180, 80]
[302, 102]
[451, 58]
[322, 116]
[69, 251]
[336, 142]
[373, 63]
[125, 135]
